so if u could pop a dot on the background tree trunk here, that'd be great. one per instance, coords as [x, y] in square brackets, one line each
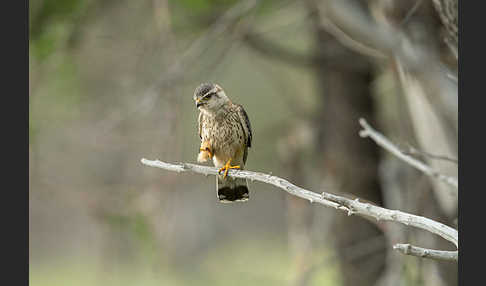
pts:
[344, 79]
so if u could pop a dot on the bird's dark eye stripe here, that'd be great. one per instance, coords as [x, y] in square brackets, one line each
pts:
[208, 96]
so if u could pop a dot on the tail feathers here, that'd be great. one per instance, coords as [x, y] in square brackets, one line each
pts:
[232, 190]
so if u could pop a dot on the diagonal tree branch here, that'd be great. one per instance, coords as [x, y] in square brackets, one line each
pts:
[390, 147]
[274, 50]
[175, 72]
[408, 249]
[423, 63]
[414, 151]
[337, 202]
[447, 10]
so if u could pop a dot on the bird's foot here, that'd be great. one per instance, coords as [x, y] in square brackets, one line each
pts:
[205, 152]
[227, 167]
[207, 149]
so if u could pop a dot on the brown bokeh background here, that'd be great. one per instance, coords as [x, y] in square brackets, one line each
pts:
[111, 82]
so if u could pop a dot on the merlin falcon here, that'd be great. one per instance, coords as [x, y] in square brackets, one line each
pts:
[225, 133]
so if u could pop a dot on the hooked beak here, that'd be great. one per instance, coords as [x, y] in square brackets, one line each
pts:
[199, 103]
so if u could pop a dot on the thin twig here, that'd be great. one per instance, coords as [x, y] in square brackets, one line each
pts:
[390, 147]
[345, 39]
[349, 42]
[421, 62]
[183, 62]
[337, 202]
[383, 214]
[414, 151]
[452, 77]
[426, 253]
[411, 12]
[452, 48]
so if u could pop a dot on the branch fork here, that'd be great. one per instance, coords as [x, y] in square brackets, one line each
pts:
[386, 144]
[337, 202]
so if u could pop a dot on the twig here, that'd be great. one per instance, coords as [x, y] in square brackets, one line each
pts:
[421, 62]
[452, 77]
[390, 147]
[337, 202]
[348, 41]
[452, 48]
[411, 12]
[426, 253]
[274, 50]
[176, 70]
[252, 176]
[324, 23]
[414, 151]
[379, 213]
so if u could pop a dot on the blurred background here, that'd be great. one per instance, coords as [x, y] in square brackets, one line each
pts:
[111, 82]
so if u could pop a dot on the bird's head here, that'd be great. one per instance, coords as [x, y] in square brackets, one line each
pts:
[210, 97]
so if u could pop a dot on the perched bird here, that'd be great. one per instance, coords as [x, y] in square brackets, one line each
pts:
[225, 132]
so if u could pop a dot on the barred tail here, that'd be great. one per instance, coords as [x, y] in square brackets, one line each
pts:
[232, 189]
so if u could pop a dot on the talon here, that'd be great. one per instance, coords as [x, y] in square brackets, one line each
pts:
[207, 150]
[226, 168]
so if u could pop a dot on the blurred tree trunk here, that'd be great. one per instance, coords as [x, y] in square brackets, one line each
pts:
[344, 79]
[291, 149]
[299, 220]
[427, 127]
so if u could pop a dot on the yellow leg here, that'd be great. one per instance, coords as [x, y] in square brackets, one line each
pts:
[226, 168]
[207, 150]
[206, 147]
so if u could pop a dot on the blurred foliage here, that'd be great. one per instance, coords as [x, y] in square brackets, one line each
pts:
[223, 265]
[100, 218]
[52, 23]
[90, 62]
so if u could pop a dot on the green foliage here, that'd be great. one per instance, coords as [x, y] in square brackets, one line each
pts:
[59, 105]
[47, 42]
[190, 15]
[261, 261]
[136, 224]
[52, 24]
[57, 101]
[202, 6]
[199, 14]
[45, 13]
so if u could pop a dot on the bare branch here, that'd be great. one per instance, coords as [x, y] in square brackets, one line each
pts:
[337, 202]
[423, 63]
[414, 151]
[390, 147]
[426, 253]
[452, 48]
[379, 213]
[452, 77]
[411, 12]
[271, 49]
[348, 41]
[447, 10]
[265, 178]
[176, 70]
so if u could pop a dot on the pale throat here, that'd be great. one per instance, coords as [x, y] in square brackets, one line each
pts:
[220, 112]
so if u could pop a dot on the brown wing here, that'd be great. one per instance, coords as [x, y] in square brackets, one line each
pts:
[245, 124]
